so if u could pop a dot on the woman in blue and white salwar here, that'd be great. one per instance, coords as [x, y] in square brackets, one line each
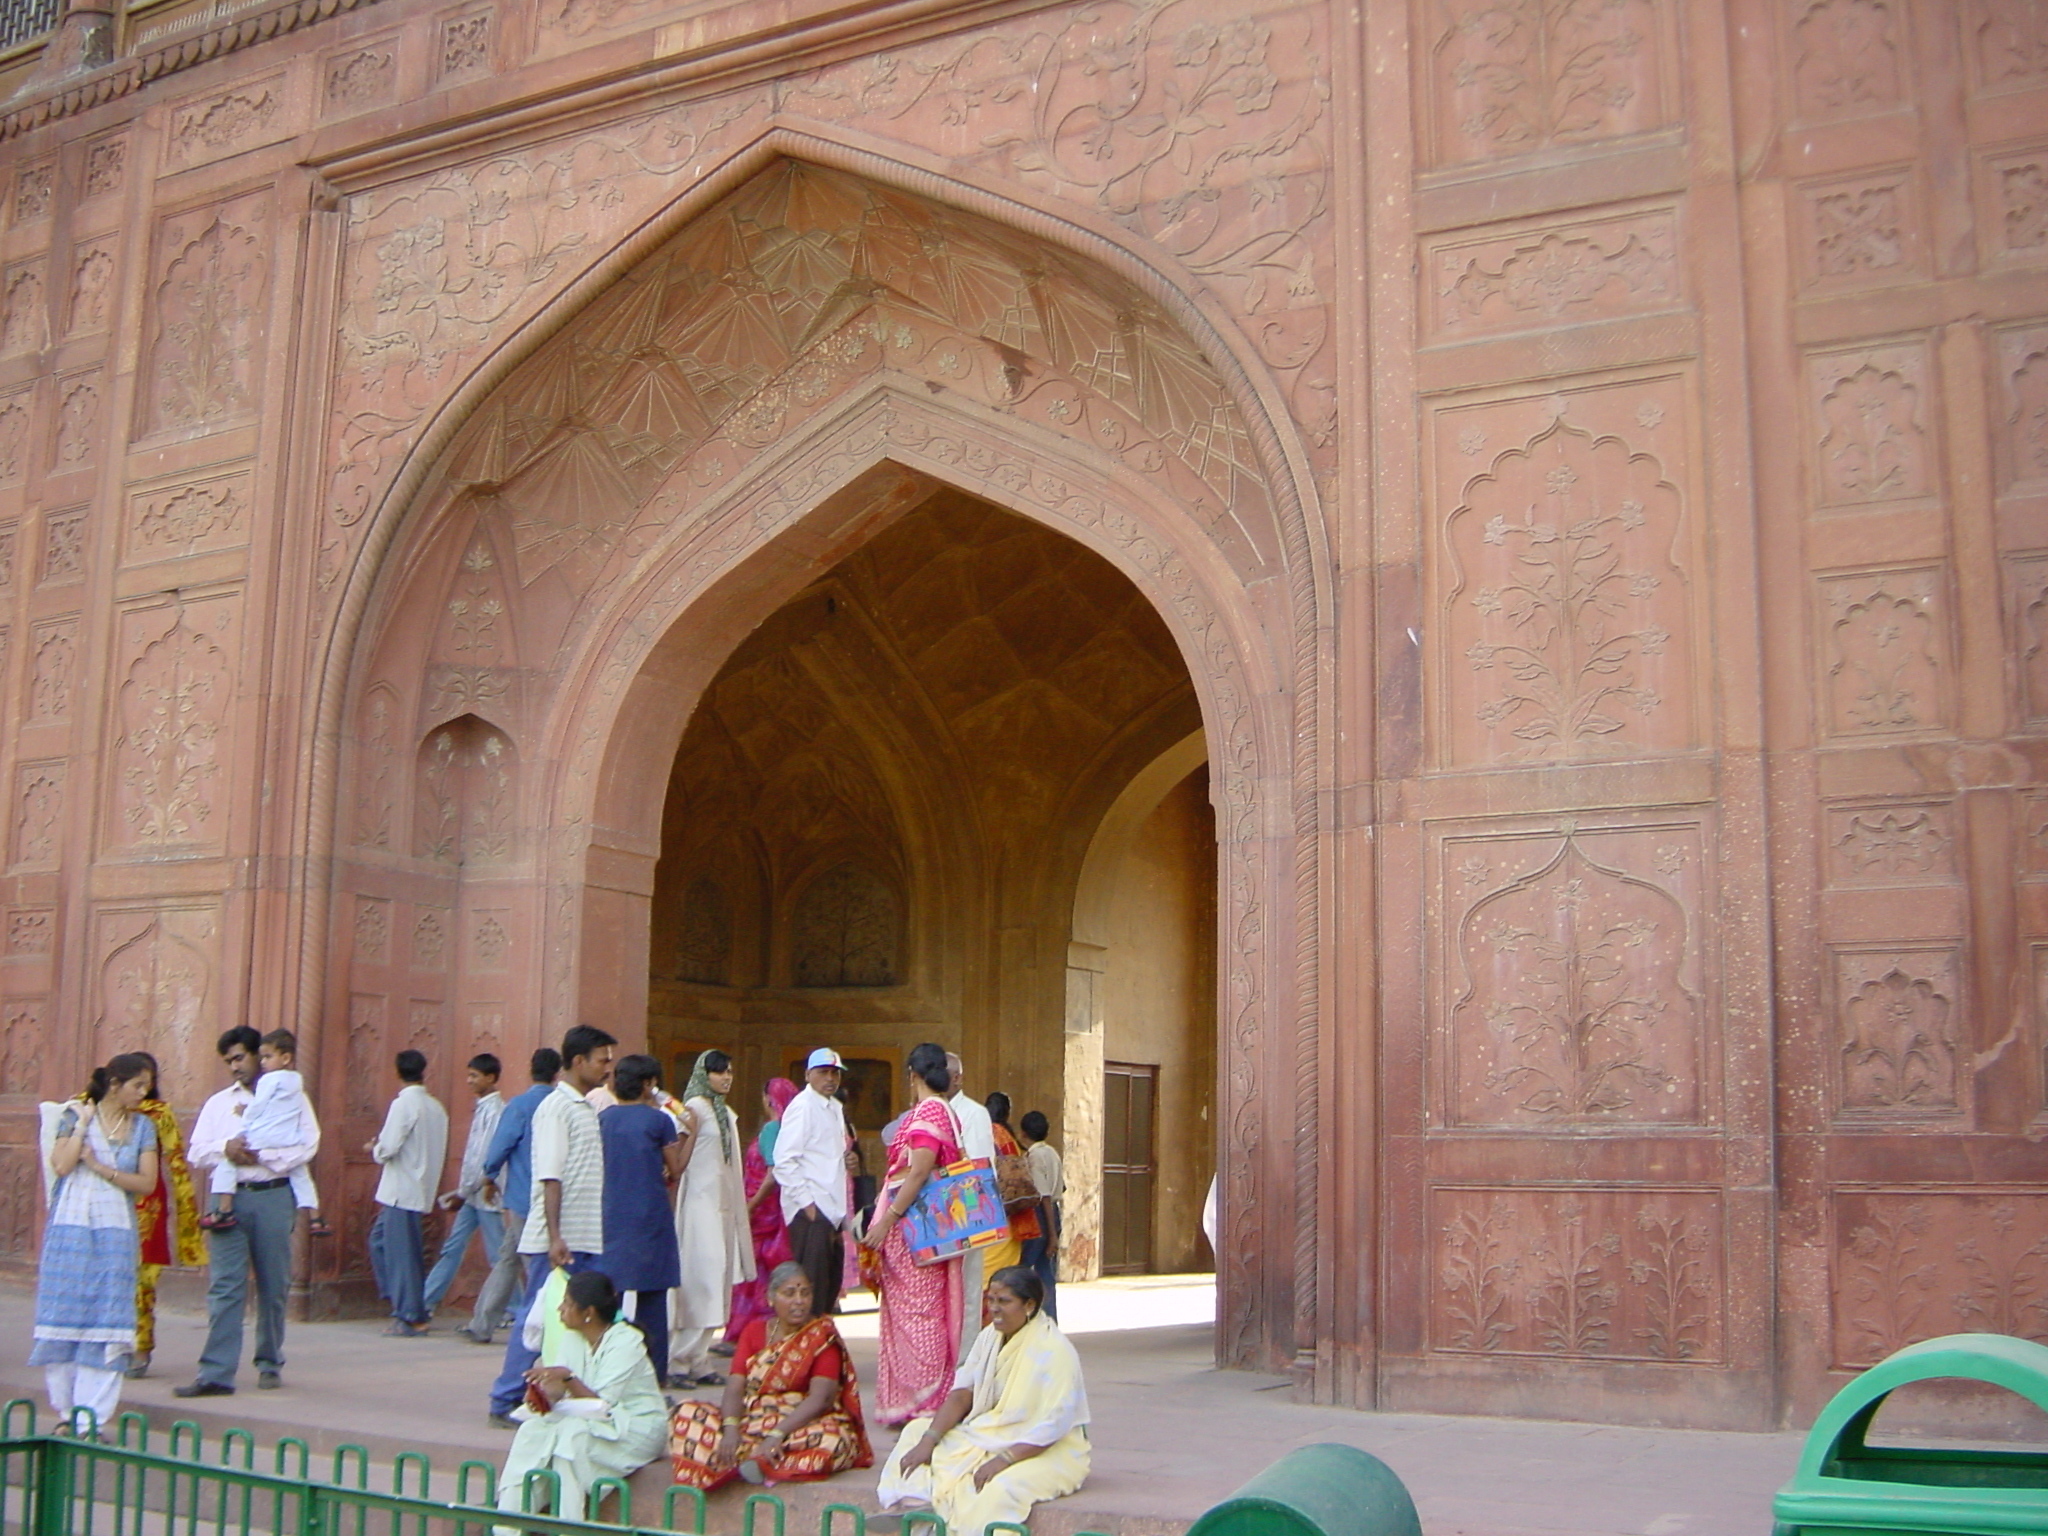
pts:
[103, 1156]
[605, 1414]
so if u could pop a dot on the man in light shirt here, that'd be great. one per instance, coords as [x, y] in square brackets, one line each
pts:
[476, 1211]
[810, 1170]
[411, 1148]
[977, 1139]
[565, 1209]
[260, 1240]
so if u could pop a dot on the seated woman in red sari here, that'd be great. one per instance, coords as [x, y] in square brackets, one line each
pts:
[791, 1412]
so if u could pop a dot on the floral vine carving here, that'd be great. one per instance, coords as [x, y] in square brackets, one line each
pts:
[1897, 1051]
[172, 704]
[2005, 1277]
[1573, 1302]
[209, 314]
[1676, 1283]
[1477, 1268]
[1889, 1279]
[1514, 76]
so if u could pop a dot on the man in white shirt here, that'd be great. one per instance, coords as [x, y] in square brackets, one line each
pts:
[411, 1148]
[261, 1239]
[476, 1211]
[565, 1213]
[977, 1139]
[810, 1170]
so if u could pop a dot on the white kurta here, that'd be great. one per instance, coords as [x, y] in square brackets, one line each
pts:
[581, 1440]
[711, 1226]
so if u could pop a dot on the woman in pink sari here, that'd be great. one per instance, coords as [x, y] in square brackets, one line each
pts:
[920, 1326]
[764, 1211]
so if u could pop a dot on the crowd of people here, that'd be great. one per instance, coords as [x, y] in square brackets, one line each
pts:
[637, 1242]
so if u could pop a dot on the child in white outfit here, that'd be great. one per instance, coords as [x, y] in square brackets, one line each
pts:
[277, 1116]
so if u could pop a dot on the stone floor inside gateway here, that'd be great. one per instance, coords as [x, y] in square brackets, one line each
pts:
[1172, 1434]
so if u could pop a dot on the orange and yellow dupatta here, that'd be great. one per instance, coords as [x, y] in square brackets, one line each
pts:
[167, 1218]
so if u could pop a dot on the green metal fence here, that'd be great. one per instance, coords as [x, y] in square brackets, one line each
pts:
[74, 1480]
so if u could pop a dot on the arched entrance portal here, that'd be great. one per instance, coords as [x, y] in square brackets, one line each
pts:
[804, 365]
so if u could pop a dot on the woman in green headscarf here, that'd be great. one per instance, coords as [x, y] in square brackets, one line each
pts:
[711, 1224]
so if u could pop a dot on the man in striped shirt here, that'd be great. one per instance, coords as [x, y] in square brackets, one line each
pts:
[565, 1213]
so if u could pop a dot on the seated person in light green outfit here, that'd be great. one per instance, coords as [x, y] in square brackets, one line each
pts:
[1014, 1430]
[605, 1415]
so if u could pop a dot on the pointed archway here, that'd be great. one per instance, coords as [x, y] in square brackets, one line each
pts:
[793, 368]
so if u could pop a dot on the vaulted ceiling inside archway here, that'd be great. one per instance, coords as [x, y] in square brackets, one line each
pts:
[771, 304]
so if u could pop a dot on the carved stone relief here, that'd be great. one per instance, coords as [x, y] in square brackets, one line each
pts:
[463, 804]
[2011, 44]
[465, 46]
[38, 815]
[9, 535]
[366, 1064]
[52, 670]
[376, 778]
[362, 77]
[1578, 975]
[207, 296]
[372, 930]
[156, 968]
[1592, 1274]
[106, 162]
[1590, 269]
[430, 939]
[1899, 1012]
[2021, 439]
[2027, 610]
[1846, 58]
[14, 425]
[2015, 222]
[704, 943]
[1861, 232]
[1912, 1265]
[177, 684]
[1511, 76]
[92, 286]
[489, 940]
[34, 190]
[172, 521]
[23, 1027]
[31, 930]
[63, 546]
[78, 421]
[1871, 409]
[226, 123]
[1567, 628]
[846, 930]
[1891, 843]
[1885, 652]
[24, 325]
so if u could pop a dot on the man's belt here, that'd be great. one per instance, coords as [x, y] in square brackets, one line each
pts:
[256, 1184]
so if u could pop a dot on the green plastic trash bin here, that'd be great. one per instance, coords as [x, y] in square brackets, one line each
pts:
[1319, 1490]
[1846, 1488]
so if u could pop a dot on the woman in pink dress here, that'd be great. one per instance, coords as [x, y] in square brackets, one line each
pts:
[920, 1325]
[764, 1212]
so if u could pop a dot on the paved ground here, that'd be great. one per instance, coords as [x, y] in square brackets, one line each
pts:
[1172, 1434]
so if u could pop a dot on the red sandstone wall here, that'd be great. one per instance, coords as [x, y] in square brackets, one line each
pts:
[1666, 385]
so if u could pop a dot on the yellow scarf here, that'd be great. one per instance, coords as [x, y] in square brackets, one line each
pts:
[188, 1247]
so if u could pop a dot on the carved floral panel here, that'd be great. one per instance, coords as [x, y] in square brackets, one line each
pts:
[76, 442]
[208, 127]
[15, 408]
[1848, 58]
[1891, 843]
[1630, 1274]
[2027, 617]
[37, 816]
[156, 968]
[1860, 232]
[90, 301]
[24, 321]
[463, 803]
[2020, 420]
[170, 521]
[2012, 215]
[356, 79]
[377, 773]
[1900, 1018]
[372, 930]
[368, 1065]
[463, 49]
[176, 668]
[106, 165]
[1917, 1264]
[1591, 269]
[24, 1026]
[209, 282]
[1872, 410]
[2011, 38]
[1508, 77]
[1576, 991]
[52, 670]
[846, 930]
[31, 931]
[1884, 652]
[63, 546]
[35, 186]
[1565, 582]
[10, 536]
[430, 939]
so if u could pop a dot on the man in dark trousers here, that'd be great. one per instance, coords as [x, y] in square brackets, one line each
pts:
[261, 1239]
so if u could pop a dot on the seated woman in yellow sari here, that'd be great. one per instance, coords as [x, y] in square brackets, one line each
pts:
[791, 1412]
[1014, 1430]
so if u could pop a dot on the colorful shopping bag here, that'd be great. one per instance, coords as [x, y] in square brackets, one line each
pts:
[959, 1208]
